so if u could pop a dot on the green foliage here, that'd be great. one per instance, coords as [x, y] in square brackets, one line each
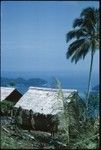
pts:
[93, 105]
[73, 108]
[14, 141]
[6, 107]
[92, 109]
[6, 104]
[76, 132]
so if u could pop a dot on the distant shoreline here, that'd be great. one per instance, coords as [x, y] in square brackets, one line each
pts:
[23, 84]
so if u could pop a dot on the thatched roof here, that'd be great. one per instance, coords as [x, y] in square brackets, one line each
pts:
[5, 92]
[43, 100]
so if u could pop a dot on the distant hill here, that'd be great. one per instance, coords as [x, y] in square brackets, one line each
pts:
[21, 84]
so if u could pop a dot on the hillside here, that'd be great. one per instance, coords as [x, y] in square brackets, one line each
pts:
[15, 138]
[23, 139]
[21, 84]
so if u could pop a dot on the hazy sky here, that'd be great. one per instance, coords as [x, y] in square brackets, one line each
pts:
[33, 35]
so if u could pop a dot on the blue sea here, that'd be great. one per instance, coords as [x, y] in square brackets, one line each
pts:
[68, 80]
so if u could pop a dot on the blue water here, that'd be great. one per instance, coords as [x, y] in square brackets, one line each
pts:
[68, 80]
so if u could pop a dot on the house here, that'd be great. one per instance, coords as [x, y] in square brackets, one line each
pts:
[10, 94]
[43, 100]
[46, 104]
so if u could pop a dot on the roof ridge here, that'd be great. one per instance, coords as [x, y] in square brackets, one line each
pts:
[7, 87]
[51, 89]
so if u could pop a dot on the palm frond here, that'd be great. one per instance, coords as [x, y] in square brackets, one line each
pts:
[76, 33]
[73, 47]
[70, 35]
[97, 15]
[86, 33]
[86, 48]
[77, 22]
[90, 16]
[89, 12]
[82, 32]
[78, 51]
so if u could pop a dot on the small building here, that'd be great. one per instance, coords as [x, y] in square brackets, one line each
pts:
[10, 94]
[46, 104]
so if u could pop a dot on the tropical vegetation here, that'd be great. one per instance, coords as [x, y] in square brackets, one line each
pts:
[86, 38]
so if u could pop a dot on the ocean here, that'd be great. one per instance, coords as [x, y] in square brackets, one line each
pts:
[68, 80]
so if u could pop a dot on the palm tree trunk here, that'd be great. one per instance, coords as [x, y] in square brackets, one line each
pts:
[89, 81]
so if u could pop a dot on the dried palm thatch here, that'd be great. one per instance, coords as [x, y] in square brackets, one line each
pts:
[43, 100]
[5, 92]
[9, 93]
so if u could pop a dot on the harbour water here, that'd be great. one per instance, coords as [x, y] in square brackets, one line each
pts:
[68, 80]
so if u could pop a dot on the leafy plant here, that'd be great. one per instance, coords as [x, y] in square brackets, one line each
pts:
[76, 132]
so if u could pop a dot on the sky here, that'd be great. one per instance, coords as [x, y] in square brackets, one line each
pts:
[33, 36]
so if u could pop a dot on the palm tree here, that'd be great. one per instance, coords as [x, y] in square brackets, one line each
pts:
[86, 38]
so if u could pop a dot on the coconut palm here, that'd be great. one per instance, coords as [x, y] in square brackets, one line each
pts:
[86, 38]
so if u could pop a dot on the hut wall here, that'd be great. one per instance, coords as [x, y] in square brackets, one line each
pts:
[42, 122]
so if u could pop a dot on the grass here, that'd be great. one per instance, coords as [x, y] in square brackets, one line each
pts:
[22, 139]
[9, 141]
